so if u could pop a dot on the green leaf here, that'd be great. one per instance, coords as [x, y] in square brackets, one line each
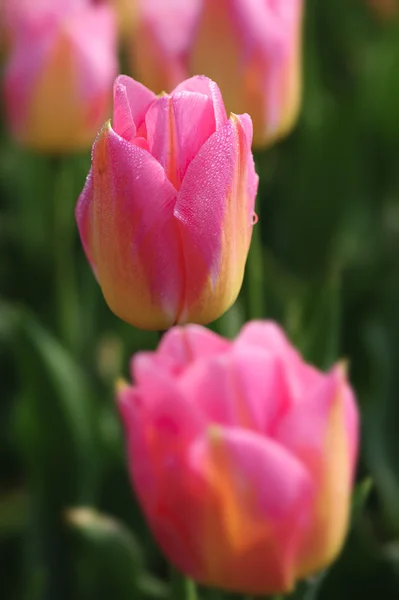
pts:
[55, 417]
[116, 554]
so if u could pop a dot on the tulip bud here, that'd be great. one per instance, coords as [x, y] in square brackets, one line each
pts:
[58, 79]
[251, 48]
[242, 456]
[167, 211]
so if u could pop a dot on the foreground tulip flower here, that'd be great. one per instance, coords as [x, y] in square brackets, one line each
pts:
[167, 211]
[252, 48]
[58, 79]
[242, 456]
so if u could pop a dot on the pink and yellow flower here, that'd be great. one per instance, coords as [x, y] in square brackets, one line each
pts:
[59, 74]
[242, 456]
[251, 48]
[167, 211]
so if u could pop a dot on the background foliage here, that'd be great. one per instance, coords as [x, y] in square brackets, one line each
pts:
[328, 271]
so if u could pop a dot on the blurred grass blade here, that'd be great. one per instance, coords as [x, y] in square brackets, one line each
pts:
[360, 497]
[117, 556]
[55, 416]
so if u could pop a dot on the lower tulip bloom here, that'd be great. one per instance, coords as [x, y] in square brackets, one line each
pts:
[242, 456]
[167, 211]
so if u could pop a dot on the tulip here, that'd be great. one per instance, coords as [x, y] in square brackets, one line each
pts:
[242, 456]
[160, 49]
[58, 79]
[166, 214]
[251, 48]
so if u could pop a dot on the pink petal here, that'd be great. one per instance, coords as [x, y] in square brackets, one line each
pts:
[123, 122]
[159, 47]
[265, 497]
[135, 245]
[215, 221]
[239, 389]
[204, 85]
[182, 346]
[82, 214]
[268, 335]
[137, 96]
[160, 424]
[303, 429]
[317, 433]
[177, 127]
[352, 426]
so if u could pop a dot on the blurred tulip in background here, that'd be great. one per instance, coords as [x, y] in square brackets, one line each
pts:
[242, 456]
[126, 12]
[167, 211]
[251, 48]
[59, 73]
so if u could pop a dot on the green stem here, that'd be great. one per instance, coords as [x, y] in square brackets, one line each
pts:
[255, 271]
[255, 275]
[181, 587]
[63, 202]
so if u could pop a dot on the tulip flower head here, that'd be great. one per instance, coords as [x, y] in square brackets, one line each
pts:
[167, 211]
[251, 48]
[242, 456]
[58, 79]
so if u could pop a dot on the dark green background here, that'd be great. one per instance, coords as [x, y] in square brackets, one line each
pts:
[329, 272]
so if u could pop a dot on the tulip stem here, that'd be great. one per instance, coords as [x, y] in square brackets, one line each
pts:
[181, 587]
[254, 275]
[63, 243]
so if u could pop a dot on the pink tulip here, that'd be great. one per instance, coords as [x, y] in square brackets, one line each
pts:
[58, 80]
[242, 456]
[251, 48]
[167, 211]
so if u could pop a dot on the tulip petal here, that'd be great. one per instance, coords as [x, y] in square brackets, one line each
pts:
[203, 85]
[59, 76]
[265, 493]
[160, 44]
[215, 213]
[244, 388]
[160, 424]
[177, 127]
[182, 346]
[301, 377]
[316, 431]
[138, 97]
[134, 246]
[123, 122]
[82, 213]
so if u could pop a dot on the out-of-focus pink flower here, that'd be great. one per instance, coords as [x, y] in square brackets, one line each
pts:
[160, 50]
[251, 48]
[58, 79]
[167, 211]
[242, 456]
